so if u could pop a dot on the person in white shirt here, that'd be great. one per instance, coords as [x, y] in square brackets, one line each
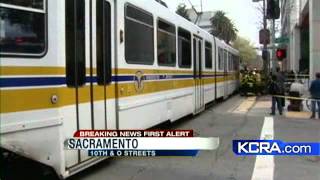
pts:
[296, 90]
[297, 87]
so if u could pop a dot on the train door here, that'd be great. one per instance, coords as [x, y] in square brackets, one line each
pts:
[226, 76]
[199, 89]
[89, 65]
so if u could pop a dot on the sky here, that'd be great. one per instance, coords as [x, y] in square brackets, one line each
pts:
[244, 13]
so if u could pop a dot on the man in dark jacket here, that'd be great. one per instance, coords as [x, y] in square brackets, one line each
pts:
[274, 90]
[281, 81]
[315, 95]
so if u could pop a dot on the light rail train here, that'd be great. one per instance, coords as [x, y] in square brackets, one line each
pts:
[100, 64]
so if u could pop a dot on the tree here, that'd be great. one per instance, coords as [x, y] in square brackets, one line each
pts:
[182, 11]
[247, 52]
[223, 27]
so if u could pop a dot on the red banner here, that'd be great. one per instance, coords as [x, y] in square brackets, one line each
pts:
[132, 133]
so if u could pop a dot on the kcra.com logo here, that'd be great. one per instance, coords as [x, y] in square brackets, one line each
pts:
[275, 147]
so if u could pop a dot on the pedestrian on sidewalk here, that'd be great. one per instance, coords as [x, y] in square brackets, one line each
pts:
[296, 90]
[315, 95]
[281, 81]
[275, 90]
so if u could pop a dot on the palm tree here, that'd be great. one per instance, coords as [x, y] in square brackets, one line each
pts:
[223, 27]
[182, 11]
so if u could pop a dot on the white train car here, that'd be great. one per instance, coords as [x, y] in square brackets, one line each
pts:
[100, 64]
[227, 67]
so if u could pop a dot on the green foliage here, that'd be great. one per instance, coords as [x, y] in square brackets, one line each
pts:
[246, 50]
[223, 27]
[182, 11]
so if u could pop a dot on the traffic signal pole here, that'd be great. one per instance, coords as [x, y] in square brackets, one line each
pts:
[266, 62]
[273, 40]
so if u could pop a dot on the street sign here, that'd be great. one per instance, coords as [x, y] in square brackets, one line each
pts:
[282, 40]
[270, 47]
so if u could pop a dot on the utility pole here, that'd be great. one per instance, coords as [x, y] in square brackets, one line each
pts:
[264, 37]
[270, 11]
[274, 62]
[266, 62]
[195, 10]
[273, 13]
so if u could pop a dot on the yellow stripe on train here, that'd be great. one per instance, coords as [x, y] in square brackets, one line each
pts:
[14, 100]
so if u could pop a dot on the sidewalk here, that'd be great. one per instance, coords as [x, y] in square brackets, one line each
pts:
[262, 107]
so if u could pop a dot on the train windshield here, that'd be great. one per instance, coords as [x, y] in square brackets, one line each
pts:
[22, 27]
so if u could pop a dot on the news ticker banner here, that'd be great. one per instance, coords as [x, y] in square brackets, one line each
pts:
[140, 143]
[275, 148]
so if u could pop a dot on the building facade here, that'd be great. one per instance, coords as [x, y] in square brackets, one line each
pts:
[300, 21]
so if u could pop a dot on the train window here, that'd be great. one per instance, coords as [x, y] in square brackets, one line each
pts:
[233, 62]
[225, 60]
[166, 44]
[200, 54]
[200, 58]
[184, 48]
[220, 59]
[230, 59]
[104, 70]
[75, 43]
[208, 54]
[236, 63]
[195, 63]
[139, 15]
[139, 37]
[23, 31]
[37, 4]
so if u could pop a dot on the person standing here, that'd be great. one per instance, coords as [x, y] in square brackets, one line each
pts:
[315, 95]
[274, 90]
[296, 90]
[281, 81]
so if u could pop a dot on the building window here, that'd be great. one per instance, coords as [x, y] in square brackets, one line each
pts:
[208, 54]
[139, 38]
[23, 27]
[184, 48]
[166, 44]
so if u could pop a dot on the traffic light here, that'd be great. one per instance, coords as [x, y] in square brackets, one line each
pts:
[281, 54]
[273, 9]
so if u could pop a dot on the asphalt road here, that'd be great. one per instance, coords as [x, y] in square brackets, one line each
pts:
[236, 118]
